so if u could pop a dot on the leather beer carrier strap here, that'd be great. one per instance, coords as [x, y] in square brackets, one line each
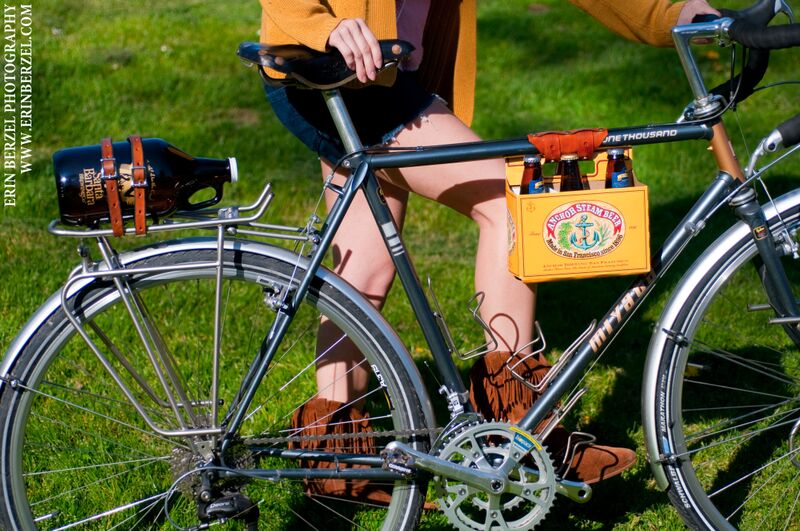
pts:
[110, 177]
[552, 144]
[140, 184]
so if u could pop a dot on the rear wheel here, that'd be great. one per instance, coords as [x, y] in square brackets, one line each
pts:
[76, 452]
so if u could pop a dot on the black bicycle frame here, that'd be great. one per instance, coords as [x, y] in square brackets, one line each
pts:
[364, 163]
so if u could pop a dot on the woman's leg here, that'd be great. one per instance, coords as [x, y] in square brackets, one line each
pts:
[477, 190]
[361, 258]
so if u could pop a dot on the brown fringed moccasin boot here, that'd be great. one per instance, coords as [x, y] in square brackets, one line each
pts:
[496, 394]
[326, 417]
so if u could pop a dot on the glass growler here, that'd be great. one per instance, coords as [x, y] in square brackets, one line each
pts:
[532, 178]
[617, 175]
[571, 178]
[172, 178]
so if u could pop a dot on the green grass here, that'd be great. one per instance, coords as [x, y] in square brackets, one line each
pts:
[169, 70]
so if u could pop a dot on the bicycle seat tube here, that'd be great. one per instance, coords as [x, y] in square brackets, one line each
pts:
[363, 177]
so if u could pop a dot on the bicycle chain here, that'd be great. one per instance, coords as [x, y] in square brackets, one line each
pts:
[429, 432]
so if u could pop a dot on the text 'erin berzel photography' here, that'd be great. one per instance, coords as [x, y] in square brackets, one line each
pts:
[17, 98]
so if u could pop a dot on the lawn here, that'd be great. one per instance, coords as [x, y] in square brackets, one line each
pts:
[169, 70]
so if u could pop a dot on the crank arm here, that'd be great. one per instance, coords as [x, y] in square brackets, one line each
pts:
[407, 457]
[397, 452]
[574, 490]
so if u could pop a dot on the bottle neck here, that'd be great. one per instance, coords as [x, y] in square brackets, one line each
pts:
[213, 170]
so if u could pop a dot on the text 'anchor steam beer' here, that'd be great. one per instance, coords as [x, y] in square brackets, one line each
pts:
[172, 179]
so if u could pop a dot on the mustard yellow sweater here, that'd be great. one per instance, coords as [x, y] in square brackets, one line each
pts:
[449, 66]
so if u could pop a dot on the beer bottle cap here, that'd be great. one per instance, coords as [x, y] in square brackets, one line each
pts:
[616, 152]
[569, 156]
[532, 159]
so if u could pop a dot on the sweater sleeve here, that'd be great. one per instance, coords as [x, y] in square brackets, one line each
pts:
[309, 22]
[645, 21]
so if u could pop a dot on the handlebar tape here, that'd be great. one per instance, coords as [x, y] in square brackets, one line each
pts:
[769, 38]
[759, 14]
[757, 60]
[790, 131]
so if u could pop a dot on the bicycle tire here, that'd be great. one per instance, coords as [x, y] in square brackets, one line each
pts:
[56, 472]
[727, 390]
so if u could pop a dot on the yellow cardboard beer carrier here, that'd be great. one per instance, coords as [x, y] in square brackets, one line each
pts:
[569, 235]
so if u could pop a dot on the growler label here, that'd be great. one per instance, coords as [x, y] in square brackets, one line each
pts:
[90, 187]
[584, 229]
[126, 190]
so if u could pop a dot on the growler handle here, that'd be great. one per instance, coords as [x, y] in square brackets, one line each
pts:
[184, 201]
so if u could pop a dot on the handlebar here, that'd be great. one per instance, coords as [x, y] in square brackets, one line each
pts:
[747, 27]
[756, 37]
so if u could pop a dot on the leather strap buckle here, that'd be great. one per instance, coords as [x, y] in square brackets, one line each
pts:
[145, 183]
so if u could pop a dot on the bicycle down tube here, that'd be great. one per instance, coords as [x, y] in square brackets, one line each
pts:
[723, 187]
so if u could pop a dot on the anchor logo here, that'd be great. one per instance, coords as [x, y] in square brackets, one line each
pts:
[583, 243]
[583, 229]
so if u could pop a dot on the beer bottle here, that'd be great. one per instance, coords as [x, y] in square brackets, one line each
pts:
[532, 179]
[617, 175]
[173, 177]
[571, 178]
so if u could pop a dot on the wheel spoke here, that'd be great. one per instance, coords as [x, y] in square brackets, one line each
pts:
[149, 500]
[732, 395]
[83, 456]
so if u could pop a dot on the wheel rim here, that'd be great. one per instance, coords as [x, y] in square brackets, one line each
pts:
[739, 400]
[56, 426]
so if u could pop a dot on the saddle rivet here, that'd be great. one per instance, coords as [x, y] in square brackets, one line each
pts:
[279, 61]
[397, 49]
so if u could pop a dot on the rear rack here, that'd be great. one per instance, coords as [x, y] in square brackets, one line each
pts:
[236, 220]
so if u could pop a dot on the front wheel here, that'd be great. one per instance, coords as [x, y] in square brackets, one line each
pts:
[726, 390]
[76, 452]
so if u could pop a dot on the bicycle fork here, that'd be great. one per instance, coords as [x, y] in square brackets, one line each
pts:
[776, 283]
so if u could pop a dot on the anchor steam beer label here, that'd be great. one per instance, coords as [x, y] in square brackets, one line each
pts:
[583, 229]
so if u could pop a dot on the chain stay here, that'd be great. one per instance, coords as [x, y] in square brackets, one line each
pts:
[427, 432]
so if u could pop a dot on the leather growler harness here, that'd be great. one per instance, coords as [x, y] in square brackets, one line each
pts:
[110, 176]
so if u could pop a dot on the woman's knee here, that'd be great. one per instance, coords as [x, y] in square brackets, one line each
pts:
[371, 273]
[490, 215]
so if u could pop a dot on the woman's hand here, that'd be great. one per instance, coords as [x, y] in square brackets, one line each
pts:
[359, 47]
[692, 8]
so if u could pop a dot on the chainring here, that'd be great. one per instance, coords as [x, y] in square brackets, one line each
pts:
[486, 446]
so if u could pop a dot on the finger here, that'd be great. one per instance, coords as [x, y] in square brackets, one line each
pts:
[373, 47]
[341, 39]
[356, 62]
[357, 38]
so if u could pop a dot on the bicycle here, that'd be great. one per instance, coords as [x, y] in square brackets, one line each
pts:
[172, 442]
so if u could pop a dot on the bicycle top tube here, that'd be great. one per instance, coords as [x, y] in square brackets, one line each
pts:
[445, 154]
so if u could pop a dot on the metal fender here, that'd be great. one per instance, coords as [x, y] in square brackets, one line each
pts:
[258, 248]
[732, 238]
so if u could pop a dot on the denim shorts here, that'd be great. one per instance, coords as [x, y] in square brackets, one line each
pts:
[378, 113]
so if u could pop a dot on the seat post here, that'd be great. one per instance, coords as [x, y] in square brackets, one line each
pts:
[342, 120]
